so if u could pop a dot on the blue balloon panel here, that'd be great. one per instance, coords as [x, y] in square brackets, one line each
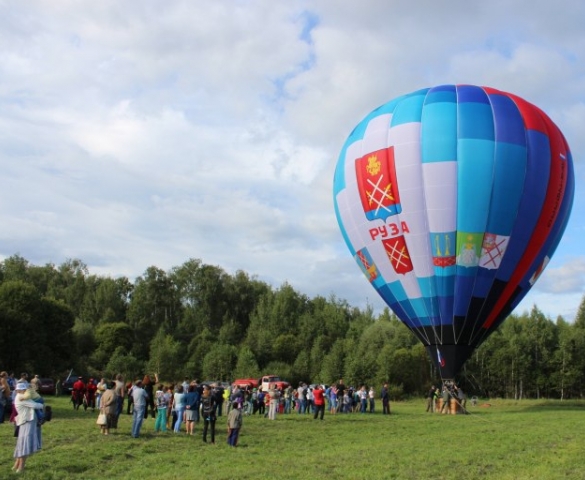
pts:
[452, 200]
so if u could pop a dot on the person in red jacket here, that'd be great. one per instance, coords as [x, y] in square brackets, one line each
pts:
[319, 402]
[91, 389]
[78, 392]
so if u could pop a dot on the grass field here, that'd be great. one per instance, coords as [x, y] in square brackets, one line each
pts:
[506, 440]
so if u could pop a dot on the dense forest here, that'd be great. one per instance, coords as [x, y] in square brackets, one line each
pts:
[197, 320]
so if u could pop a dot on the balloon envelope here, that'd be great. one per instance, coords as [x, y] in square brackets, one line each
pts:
[452, 200]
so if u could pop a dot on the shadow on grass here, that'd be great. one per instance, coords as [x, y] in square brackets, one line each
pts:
[520, 406]
[552, 405]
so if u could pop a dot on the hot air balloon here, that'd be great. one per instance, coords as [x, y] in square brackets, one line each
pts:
[452, 200]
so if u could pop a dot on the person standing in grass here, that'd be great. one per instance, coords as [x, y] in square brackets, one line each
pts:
[372, 399]
[208, 412]
[91, 389]
[333, 399]
[341, 390]
[108, 406]
[101, 387]
[310, 404]
[226, 399]
[185, 384]
[431, 399]
[385, 396]
[4, 395]
[29, 432]
[162, 402]
[171, 416]
[445, 396]
[319, 402]
[461, 399]
[148, 386]
[302, 399]
[287, 399]
[273, 405]
[78, 392]
[218, 394]
[129, 404]
[235, 420]
[179, 405]
[260, 400]
[139, 398]
[120, 390]
[363, 398]
[191, 406]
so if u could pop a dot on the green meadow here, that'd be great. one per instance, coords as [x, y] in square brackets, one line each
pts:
[499, 439]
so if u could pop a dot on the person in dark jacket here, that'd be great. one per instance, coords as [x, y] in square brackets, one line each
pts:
[208, 406]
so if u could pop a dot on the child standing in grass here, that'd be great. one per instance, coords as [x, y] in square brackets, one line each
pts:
[234, 422]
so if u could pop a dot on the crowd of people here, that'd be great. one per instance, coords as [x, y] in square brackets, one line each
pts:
[181, 407]
[311, 399]
[175, 408]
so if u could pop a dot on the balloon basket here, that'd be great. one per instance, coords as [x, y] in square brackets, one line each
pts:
[453, 408]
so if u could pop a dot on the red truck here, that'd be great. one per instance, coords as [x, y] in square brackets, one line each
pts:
[268, 380]
[244, 383]
[263, 382]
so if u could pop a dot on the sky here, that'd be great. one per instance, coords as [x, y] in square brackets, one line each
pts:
[145, 133]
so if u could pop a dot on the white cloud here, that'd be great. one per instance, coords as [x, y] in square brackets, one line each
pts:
[145, 133]
[569, 278]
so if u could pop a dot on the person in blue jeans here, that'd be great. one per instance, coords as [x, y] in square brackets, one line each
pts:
[140, 398]
[179, 406]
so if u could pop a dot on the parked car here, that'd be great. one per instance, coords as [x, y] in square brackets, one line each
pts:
[46, 386]
[67, 385]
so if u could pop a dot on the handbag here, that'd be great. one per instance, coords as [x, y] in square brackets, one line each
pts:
[102, 419]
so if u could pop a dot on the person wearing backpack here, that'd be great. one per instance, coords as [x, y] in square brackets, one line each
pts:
[261, 404]
[208, 406]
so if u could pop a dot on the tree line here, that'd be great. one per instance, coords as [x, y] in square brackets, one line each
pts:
[199, 321]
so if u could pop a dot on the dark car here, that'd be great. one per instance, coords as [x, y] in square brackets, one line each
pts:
[46, 386]
[67, 385]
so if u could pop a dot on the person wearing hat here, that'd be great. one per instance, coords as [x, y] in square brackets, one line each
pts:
[91, 389]
[108, 405]
[78, 393]
[29, 435]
